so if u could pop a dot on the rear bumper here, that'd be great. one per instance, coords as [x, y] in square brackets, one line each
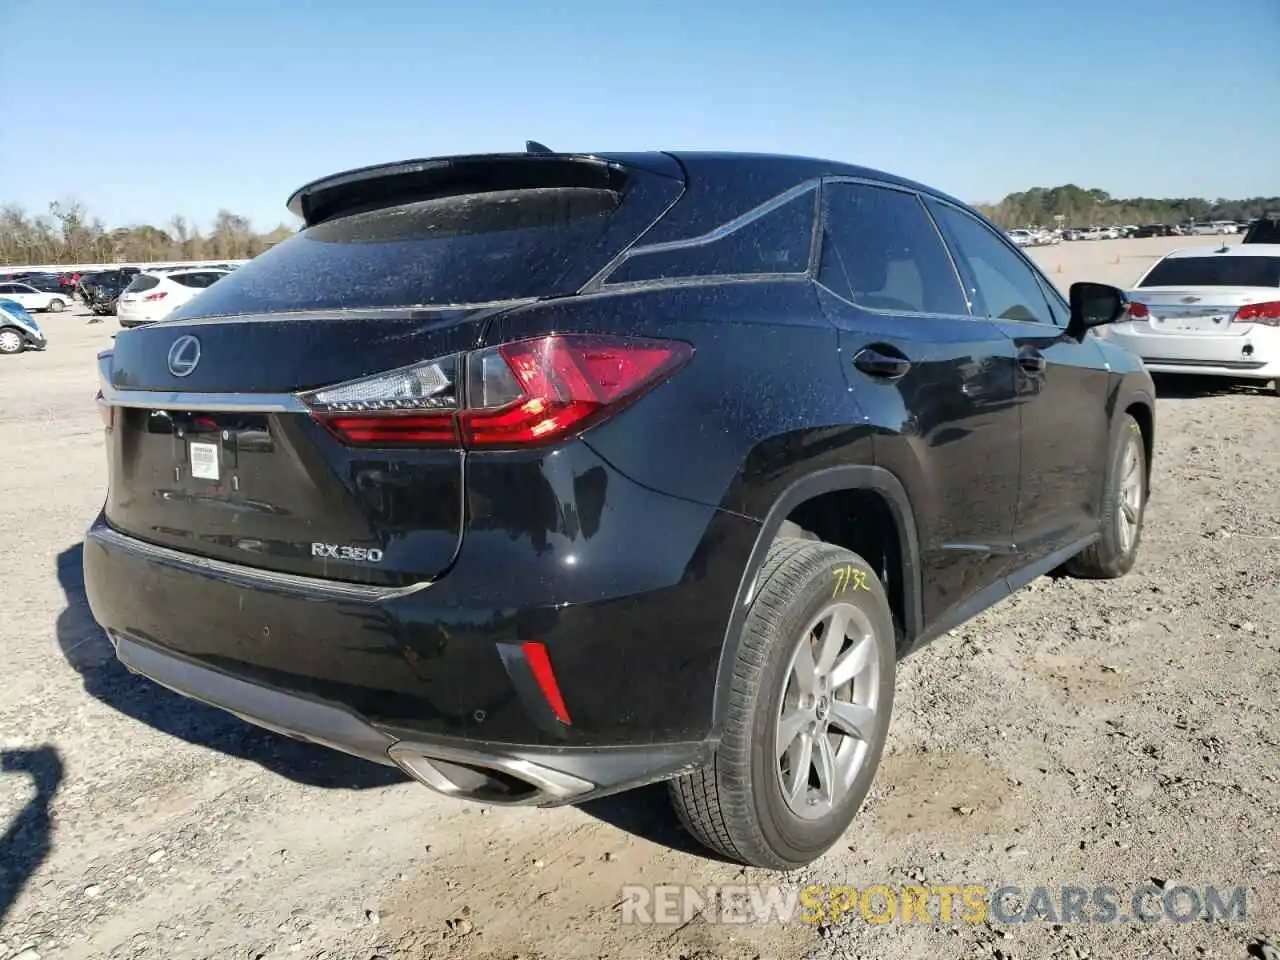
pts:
[483, 771]
[628, 595]
[1253, 353]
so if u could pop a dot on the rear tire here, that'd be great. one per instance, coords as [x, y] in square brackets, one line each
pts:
[1124, 506]
[789, 775]
[10, 342]
[56, 305]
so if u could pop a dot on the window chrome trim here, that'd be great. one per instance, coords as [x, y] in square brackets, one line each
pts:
[731, 226]
[113, 396]
[602, 283]
[252, 577]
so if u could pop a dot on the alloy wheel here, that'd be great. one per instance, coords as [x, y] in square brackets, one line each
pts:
[828, 714]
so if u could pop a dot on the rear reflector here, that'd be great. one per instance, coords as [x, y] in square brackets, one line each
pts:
[1267, 313]
[514, 395]
[540, 665]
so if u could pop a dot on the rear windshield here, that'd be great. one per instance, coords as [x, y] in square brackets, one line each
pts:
[1214, 271]
[472, 248]
[142, 282]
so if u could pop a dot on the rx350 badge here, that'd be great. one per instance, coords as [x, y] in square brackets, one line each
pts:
[336, 551]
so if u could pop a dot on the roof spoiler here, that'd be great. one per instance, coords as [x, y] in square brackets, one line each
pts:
[370, 188]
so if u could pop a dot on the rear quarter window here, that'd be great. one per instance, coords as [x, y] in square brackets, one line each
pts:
[142, 282]
[777, 241]
[1214, 271]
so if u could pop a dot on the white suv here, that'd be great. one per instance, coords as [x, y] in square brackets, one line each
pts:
[152, 296]
[31, 299]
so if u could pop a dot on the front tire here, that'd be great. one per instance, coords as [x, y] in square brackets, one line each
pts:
[56, 305]
[10, 342]
[1124, 506]
[808, 712]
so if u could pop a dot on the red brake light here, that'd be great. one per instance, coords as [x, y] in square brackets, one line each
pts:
[1138, 311]
[516, 395]
[1267, 313]
[543, 389]
[156, 296]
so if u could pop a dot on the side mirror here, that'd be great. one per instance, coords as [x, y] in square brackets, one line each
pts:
[1094, 305]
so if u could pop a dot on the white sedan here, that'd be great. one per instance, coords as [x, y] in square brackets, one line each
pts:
[31, 299]
[1211, 311]
[152, 296]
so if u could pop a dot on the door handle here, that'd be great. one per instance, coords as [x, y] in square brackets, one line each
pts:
[882, 365]
[1032, 361]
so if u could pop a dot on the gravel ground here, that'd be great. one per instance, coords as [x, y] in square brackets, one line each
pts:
[1079, 734]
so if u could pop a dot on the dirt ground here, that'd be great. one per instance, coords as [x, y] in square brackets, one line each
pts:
[1078, 734]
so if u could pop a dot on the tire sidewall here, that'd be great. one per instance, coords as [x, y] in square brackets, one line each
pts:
[792, 838]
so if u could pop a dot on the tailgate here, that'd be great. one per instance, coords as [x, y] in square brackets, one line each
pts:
[225, 462]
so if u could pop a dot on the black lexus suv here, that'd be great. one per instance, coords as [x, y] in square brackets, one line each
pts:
[542, 476]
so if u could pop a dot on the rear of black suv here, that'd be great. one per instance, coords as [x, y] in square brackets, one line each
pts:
[354, 495]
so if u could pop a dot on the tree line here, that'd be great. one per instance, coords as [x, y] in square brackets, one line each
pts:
[67, 233]
[1081, 207]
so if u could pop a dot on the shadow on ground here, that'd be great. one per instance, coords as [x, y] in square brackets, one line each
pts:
[646, 812]
[1181, 386]
[87, 649]
[29, 838]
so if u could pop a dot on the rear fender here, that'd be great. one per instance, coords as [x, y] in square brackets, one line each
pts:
[815, 484]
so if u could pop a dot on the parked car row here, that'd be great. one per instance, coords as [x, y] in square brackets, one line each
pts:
[1039, 236]
[1034, 236]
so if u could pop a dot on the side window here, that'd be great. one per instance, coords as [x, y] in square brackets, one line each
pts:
[881, 251]
[776, 242]
[1004, 287]
[1058, 309]
[8, 288]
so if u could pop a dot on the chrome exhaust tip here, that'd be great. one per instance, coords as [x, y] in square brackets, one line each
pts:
[503, 781]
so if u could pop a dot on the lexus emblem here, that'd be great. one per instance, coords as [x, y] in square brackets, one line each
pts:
[183, 356]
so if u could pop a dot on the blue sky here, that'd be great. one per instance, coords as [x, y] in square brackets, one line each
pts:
[146, 109]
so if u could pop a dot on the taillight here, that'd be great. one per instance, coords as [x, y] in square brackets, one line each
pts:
[515, 395]
[1138, 311]
[1267, 313]
[160, 295]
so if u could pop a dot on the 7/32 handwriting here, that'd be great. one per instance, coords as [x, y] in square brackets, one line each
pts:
[848, 577]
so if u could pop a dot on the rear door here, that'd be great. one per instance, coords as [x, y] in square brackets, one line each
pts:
[213, 452]
[938, 382]
[1061, 386]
